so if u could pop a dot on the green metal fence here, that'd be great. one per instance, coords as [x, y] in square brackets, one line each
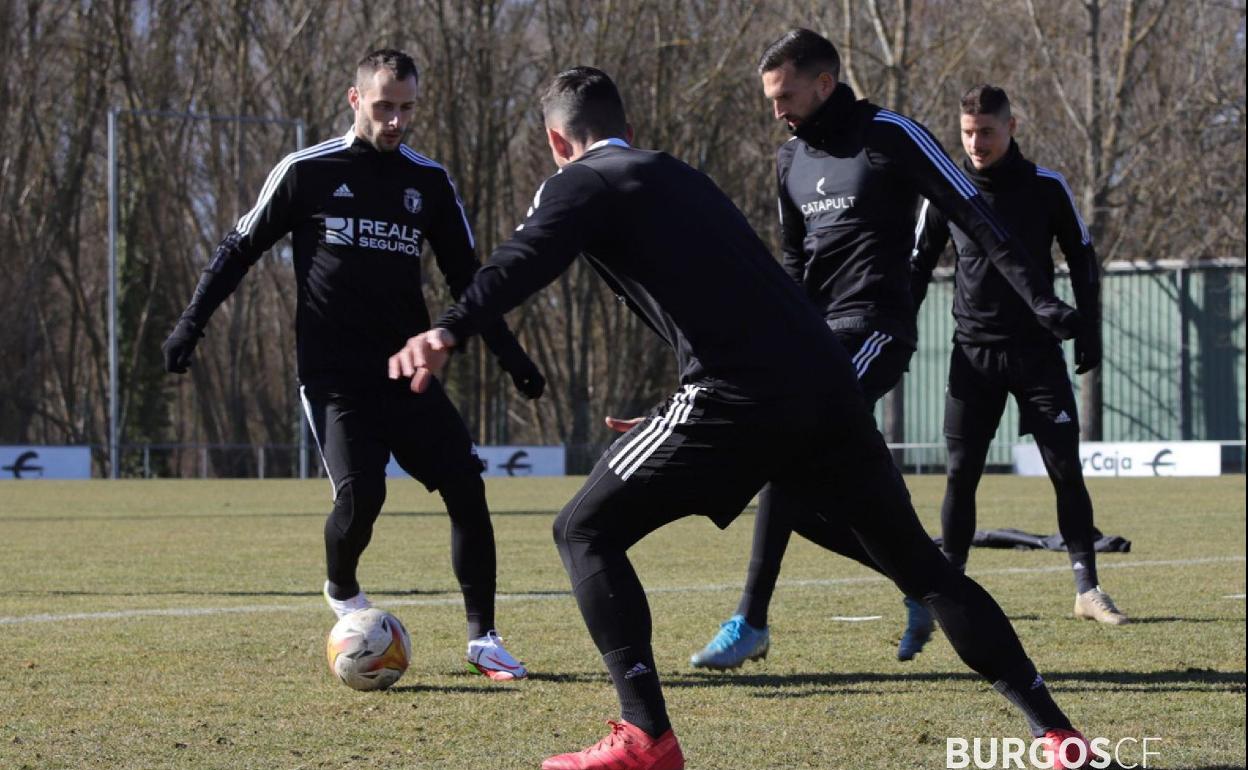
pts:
[1174, 358]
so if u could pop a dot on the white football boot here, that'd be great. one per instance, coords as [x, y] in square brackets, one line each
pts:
[344, 607]
[487, 656]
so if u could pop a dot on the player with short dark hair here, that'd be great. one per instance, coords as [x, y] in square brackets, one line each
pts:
[998, 348]
[850, 180]
[360, 209]
[767, 396]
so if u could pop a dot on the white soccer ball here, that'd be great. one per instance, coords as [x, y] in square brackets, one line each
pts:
[368, 649]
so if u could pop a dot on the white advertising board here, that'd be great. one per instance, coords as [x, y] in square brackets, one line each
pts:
[1132, 458]
[511, 461]
[45, 462]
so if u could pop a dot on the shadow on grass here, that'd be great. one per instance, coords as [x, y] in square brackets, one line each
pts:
[230, 514]
[390, 592]
[454, 689]
[1198, 680]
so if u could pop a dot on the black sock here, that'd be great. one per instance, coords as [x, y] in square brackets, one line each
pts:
[1033, 699]
[342, 591]
[637, 684]
[1084, 566]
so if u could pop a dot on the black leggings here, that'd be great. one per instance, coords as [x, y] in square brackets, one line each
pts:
[772, 529]
[356, 431]
[595, 530]
[1060, 451]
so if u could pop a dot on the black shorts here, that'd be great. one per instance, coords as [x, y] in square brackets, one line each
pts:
[879, 360]
[702, 452]
[357, 429]
[981, 376]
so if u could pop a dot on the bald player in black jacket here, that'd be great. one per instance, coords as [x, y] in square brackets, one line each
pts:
[998, 347]
[767, 396]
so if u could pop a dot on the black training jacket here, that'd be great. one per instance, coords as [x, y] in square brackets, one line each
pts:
[683, 256]
[850, 182]
[1037, 205]
[359, 220]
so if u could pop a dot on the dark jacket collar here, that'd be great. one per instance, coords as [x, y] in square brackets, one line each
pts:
[830, 119]
[1008, 171]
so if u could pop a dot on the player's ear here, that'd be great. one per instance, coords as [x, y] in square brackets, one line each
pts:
[1013, 124]
[560, 147]
[628, 132]
[353, 97]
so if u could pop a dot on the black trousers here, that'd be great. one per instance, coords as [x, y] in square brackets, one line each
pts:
[706, 453]
[981, 377]
[879, 362]
[357, 429]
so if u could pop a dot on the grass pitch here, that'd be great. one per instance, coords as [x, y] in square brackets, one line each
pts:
[179, 624]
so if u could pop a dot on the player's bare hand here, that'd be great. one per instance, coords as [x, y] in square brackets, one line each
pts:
[623, 426]
[422, 358]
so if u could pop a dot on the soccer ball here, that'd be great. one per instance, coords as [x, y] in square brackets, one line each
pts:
[368, 649]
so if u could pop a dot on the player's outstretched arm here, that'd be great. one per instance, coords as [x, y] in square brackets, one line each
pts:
[455, 249]
[254, 234]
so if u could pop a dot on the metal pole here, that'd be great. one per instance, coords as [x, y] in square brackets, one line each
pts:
[113, 453]
[300, 421]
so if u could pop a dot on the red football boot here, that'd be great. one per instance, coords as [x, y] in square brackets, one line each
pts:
[627, 747]
[1062, 749]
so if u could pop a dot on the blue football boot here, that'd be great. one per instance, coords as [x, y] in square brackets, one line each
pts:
[919, 627]
[736, 642]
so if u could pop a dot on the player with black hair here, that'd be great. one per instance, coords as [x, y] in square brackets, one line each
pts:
[998, 348]
[767, 396]
[360, 209]
[850, 181]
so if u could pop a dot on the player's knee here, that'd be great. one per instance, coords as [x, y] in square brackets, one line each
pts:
[464, 495]
[357, 503]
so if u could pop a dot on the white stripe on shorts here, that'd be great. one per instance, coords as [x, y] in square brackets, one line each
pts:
[870, 351]
[638, 450]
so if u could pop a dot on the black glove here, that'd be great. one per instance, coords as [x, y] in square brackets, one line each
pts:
[179, 346]
[1061, 319]
[1087, 351]
[524, 373]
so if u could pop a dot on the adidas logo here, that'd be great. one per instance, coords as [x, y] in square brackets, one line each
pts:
[1037, 683]
[1078, 565]
[1062, 418]
[637, 670]
[345, 192]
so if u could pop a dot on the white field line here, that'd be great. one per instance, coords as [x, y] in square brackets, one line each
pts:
[184, 612]
[1233, 596]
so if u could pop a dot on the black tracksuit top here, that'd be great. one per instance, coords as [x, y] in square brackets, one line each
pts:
[668, 241]
[850, 183]
[1038, 206]
[359, 220]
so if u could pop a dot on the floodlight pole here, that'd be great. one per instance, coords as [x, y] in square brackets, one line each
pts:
[114, 413]
[114, 455]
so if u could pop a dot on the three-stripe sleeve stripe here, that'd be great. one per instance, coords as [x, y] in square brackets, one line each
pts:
[278, 173]
[918, 227]
[870, 351]
[931, 150]
[320, 447]
[1051, 174]
[421, 160]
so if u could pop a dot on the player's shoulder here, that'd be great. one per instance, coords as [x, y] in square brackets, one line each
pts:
[886, 125]
[1050, 178]
[310, 156]
[421, 164]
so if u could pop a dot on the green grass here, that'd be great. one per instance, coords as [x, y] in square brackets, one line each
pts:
[249, 688]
